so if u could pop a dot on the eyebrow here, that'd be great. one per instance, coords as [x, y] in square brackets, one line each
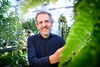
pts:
[46, 20]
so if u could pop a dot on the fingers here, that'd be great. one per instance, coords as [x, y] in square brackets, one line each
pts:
[56, 56]
[59, 51]
[53, 59]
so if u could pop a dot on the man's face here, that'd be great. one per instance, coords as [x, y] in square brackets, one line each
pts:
[44, 24]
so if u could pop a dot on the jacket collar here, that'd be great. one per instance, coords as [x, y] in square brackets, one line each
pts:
[51, 35]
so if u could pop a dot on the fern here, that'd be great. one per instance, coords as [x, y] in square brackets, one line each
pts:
[81, 31]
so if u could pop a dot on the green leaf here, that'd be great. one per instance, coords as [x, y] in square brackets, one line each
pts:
[79, 33]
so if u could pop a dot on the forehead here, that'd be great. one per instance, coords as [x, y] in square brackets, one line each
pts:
[42, 16]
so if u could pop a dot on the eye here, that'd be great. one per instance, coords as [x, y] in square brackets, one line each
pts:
[40, 22]
[46, 21]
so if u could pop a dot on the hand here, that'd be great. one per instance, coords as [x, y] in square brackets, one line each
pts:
[56, 56]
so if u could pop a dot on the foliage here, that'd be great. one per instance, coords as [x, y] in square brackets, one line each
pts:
[83, 40]
[29, 4]
[4, 57]
[4, 6]
[17, 58]
[11, 34]
[10, 27]
[63, 26]
[30, 25]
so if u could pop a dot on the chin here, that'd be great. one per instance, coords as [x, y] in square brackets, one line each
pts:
[45, 34]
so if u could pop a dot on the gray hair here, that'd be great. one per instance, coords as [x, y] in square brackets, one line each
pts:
[43, 12]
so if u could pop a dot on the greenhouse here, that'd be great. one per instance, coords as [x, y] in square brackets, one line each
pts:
[77, 22]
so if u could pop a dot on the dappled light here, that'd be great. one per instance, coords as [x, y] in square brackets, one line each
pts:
[76, 21]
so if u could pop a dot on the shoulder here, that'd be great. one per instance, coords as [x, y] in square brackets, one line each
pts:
[33, 37]
[58, 38]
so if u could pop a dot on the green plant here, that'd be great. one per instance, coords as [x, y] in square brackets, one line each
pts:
[10, 27]
[63, 27]
[29, 4]
[16, 58]
[83, 40]
[4, 6]
[19, 58]
[11, 32]
[30, 25]
[3, 57]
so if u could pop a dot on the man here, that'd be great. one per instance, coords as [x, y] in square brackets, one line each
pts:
[44, 49]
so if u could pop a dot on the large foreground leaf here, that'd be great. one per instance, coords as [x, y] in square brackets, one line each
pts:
[79, 33]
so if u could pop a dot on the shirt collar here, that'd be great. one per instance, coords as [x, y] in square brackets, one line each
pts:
[51, 35]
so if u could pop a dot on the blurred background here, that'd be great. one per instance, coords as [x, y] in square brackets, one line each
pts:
[77, 21]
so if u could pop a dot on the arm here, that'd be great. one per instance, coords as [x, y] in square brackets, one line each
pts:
[32, 56]
[56, 56]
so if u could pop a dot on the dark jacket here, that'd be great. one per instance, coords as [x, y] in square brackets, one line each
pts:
[39, 49]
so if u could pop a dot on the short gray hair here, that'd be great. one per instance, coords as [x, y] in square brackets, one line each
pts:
[43, 12]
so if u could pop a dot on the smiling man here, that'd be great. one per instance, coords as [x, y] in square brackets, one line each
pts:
[44, 49]
[44, 24]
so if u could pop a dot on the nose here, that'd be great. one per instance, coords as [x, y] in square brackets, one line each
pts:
[43, 24]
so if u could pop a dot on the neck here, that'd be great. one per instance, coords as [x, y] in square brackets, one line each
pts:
[45, 36]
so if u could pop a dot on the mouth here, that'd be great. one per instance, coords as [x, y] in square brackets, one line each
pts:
[44, 29]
